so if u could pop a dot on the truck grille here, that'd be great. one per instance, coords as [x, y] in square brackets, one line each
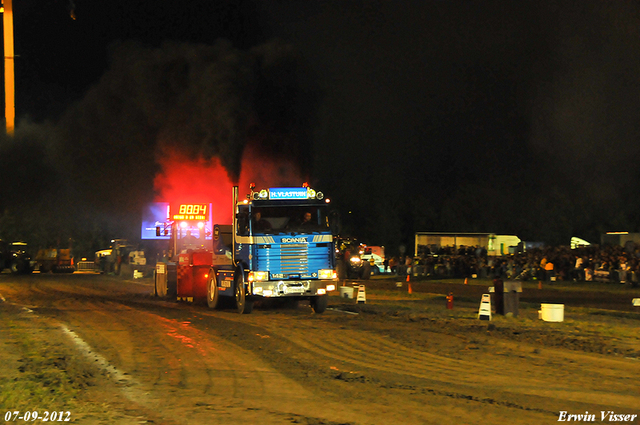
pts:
[294, 258]
[293, 261]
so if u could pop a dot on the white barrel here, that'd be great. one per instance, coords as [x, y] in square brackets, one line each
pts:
[346, 292]
[552, 312]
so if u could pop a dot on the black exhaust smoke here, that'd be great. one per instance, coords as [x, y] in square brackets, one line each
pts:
[202, 101]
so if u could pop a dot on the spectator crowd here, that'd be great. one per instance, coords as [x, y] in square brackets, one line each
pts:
[588, 263]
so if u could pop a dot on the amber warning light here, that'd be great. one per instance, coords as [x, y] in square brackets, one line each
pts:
[199, 212]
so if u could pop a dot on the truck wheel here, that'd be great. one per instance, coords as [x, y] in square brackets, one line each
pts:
[242, 304]
[15, 268]
[212, 290]
[366, 271]
[319, 303]
[161, 286]
[155, 285]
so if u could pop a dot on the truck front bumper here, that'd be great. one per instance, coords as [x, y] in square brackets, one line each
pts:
[292, 288]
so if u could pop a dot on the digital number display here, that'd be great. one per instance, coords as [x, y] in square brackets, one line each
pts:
[192, 209]
[190, 212]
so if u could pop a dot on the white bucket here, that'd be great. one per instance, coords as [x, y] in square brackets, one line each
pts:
[346, 292]
[552, 312]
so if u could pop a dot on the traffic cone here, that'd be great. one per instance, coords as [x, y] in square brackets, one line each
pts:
[408, 277]
[409, 289]
[466, 280]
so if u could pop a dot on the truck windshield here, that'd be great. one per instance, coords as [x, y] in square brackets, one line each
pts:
[192, 237]
[286, 219]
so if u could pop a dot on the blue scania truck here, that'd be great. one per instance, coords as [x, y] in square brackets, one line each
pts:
[280, 245]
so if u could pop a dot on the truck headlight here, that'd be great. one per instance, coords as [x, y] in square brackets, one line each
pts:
[258, 276]
[325, 274]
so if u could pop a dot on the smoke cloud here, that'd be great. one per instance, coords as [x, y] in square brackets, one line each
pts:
[180, 120]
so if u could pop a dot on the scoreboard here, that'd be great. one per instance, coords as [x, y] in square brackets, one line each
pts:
[189, 212]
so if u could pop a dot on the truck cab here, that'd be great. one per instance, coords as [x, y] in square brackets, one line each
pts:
[284, 242]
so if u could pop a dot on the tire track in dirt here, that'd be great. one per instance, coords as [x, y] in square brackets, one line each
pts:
[401, 383]
[190, 369]
[372, 353]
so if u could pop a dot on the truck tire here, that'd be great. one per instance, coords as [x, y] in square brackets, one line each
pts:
[166, 287]
[319, 303]
[155, 286]
[160, 289]
[20, 266]
[243, 305]
[213, 297]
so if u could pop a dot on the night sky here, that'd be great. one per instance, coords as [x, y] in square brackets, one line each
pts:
[506, 117]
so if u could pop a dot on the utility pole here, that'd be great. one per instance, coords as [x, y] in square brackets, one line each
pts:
[9, 77]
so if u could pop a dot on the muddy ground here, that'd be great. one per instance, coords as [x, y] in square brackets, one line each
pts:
[107, 351]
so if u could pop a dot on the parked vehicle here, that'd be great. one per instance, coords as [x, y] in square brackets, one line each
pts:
[375, 256]
[349, 261]
[54, 260]
[14, 256]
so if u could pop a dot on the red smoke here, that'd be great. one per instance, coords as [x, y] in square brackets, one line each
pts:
[185, 180]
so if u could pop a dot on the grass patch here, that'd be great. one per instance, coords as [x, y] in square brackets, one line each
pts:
[48, 375]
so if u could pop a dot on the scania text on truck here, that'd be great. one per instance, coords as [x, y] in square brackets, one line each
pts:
[280, 245]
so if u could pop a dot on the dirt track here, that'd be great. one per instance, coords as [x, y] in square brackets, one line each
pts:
[403, 359]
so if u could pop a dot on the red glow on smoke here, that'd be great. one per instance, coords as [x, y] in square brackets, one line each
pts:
[185, 180]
